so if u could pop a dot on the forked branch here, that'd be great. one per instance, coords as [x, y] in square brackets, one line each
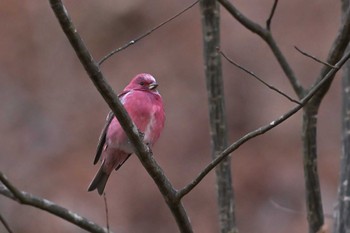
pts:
[262, 129]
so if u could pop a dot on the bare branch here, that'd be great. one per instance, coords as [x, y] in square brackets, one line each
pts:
[314, 58]
[132, 42]
[10, 191]
[261, 130]
[6, 225]
[268, 21]
[259, 79]
[285, 209]
[142, 151]
[268, 38]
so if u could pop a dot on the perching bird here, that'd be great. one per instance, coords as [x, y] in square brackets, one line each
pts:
[144, 105]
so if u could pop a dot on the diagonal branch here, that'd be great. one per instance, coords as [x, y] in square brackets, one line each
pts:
[314, 58]
[259, 79]
[132, 42]
[142, 151]
[10, 191]
[261, 130]
[339, 45]
[6, 225]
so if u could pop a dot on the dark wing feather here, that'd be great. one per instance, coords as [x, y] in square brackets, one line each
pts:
[122, 163]
[102, 139]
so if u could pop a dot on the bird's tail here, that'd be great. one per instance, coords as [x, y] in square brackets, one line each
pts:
[100, 180]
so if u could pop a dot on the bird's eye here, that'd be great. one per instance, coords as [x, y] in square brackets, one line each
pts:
[142, 83]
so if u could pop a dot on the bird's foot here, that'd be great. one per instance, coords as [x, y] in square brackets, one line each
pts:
[142, 135]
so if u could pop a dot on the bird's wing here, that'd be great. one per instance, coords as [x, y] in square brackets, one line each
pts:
[102, 138]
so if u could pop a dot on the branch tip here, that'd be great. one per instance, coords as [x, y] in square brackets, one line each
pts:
[269, 20]
[315, 59]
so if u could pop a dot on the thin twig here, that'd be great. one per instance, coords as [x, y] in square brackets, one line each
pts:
[269, 20]
[6, 225]
[285, 209]
[259, 79]
[292, 211]
[314, 58]
[10, 191]
[106, 210]
[181, 193]
[132, 42]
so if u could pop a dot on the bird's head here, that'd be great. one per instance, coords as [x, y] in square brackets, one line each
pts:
[145, 82]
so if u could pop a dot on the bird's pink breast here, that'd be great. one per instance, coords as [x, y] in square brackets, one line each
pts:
[146, 110]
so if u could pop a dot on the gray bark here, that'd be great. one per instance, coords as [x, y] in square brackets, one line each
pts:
[218, 126]
[342, 210]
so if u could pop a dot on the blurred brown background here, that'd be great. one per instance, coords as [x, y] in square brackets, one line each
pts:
[51, 115]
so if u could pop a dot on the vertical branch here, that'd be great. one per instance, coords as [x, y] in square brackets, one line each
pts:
[342, 211]
[312, 184]
[218, 127]
[313, 192]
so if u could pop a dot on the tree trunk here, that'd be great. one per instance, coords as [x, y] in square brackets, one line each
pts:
[342, 210]
[312, 183]
[218, 126]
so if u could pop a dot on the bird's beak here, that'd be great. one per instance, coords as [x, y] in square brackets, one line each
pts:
[153, 86]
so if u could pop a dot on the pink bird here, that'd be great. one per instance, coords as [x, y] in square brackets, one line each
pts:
[144, 105]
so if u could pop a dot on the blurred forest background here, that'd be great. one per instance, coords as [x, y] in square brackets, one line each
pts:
[51, 114]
